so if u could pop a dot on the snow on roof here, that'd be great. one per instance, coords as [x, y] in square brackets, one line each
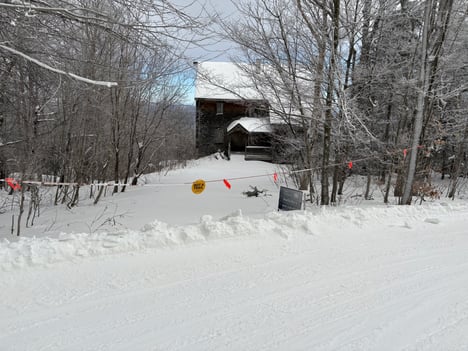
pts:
[224, 81]
[232, 81]
[252, 124]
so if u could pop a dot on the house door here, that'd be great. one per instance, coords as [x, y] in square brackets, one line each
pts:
[238, 141]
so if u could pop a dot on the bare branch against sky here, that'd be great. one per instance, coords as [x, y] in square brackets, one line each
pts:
[214, 47]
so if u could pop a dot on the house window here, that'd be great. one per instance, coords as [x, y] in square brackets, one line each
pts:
[219, 108]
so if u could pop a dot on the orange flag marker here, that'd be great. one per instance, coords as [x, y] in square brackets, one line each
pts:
[13, 183]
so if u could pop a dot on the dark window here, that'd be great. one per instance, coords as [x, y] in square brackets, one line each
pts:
[219, 108]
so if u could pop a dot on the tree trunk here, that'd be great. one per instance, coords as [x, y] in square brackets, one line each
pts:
[327, 126]
[387, 186]
[21, 210]
[75, 197]
[418, 119]
[439, 12]
[100, 192]
[334, 189]
[368, 185]
[456, 172]
[312, 133]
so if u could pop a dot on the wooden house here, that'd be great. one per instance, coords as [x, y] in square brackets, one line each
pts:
[248, 108]
[230, 115]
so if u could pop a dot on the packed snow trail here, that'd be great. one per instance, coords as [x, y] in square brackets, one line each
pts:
[333, 279]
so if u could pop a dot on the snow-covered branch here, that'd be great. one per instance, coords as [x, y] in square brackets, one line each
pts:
[56, 70]
[9, 143]
[69, 12]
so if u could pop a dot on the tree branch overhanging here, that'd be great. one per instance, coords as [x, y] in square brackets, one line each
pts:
[56, 70]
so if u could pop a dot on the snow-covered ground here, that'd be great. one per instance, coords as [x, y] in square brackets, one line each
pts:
[166, 197]
[159, 268]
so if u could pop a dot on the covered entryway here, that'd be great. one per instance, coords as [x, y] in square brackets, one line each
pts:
[252, 136]
[238, 139]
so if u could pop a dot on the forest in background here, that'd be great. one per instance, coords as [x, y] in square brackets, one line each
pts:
[380, 82]
[91, 91]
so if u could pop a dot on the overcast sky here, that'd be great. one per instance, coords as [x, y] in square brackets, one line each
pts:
[211, 50]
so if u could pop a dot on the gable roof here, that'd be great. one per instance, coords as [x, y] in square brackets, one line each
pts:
[251, 125]
[224, 81]
[258, 82]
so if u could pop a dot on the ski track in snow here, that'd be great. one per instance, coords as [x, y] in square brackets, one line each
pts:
[329, 279]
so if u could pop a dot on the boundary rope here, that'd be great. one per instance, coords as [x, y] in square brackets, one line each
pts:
[14, 183]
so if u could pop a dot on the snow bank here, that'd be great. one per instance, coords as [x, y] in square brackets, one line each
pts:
[158, 235]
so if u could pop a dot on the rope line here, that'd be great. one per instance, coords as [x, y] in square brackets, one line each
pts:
[344, 163]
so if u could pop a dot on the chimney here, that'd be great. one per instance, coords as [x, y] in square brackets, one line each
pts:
[258, 65]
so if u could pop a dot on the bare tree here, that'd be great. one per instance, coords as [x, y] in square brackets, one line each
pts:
[76, 79]
[434, 29]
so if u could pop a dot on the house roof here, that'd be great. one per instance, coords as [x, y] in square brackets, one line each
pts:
[224, 81]
[262, 82]
[252, 125]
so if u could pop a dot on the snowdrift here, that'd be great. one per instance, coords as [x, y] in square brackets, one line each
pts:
[159, 235]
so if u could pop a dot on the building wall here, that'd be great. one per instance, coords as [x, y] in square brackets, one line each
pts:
[211, 127]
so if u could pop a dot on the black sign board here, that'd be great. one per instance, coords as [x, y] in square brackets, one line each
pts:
[290, 199]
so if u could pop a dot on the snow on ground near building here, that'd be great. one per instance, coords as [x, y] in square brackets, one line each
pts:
[166, 197]
[367, 277]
